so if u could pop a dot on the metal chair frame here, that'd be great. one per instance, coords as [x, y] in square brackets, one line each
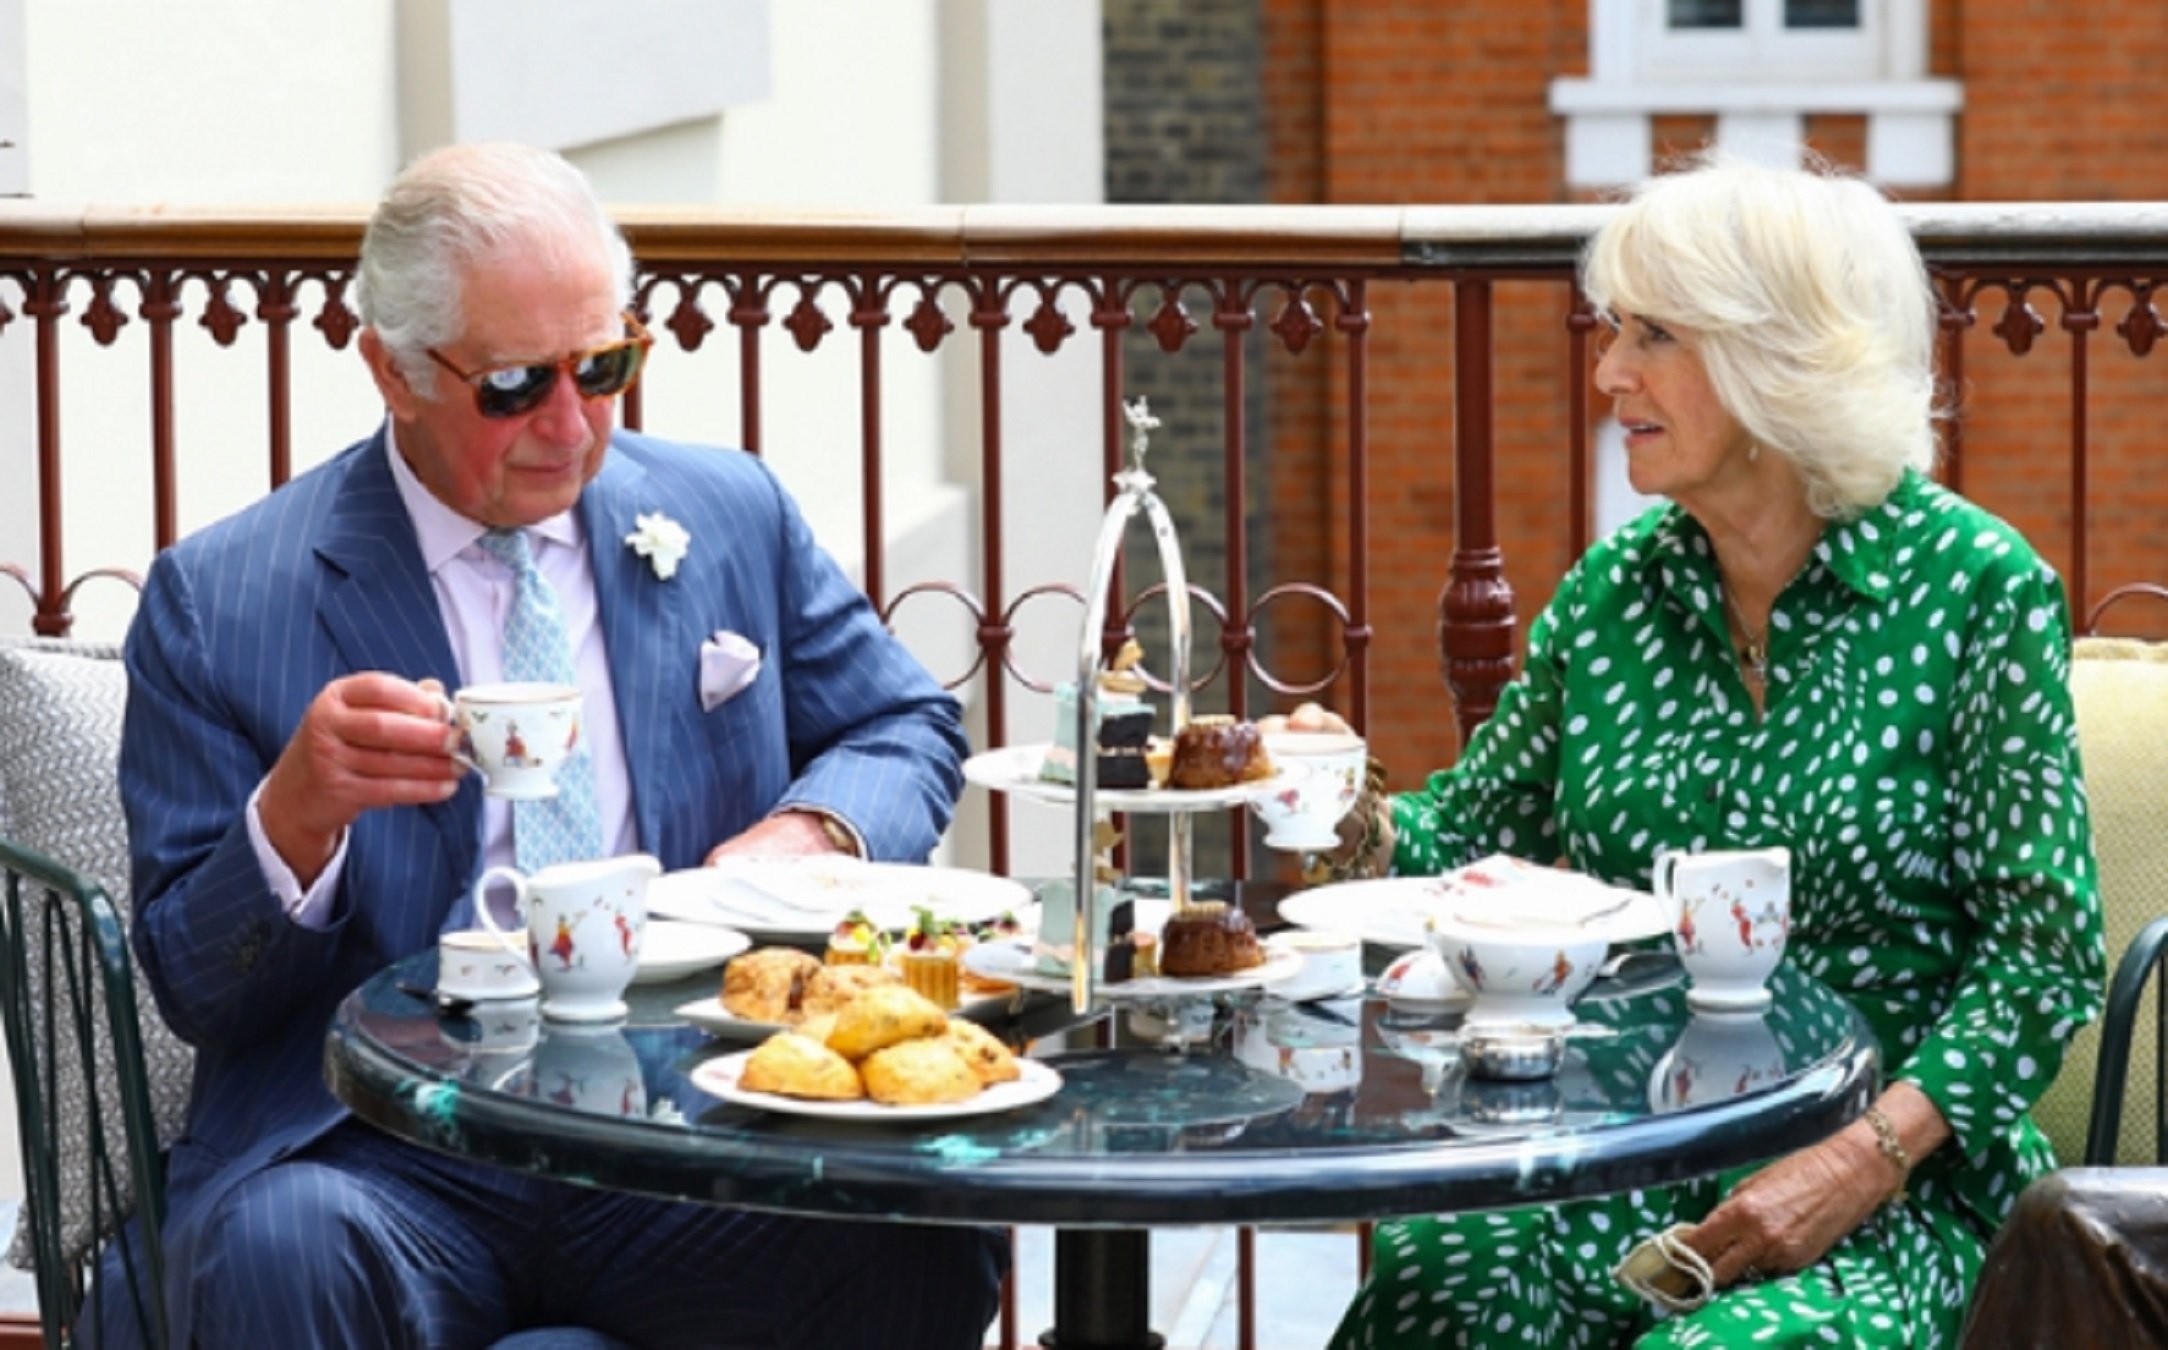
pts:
[61, 924]
[2146, 955]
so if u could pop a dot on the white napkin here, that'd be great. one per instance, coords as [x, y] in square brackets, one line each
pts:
[728, 665]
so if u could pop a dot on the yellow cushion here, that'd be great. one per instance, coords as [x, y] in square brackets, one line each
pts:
[2120, 687]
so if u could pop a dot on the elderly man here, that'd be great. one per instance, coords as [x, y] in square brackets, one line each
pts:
[298, 820]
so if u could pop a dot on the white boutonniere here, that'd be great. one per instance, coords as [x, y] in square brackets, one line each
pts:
[660, 540]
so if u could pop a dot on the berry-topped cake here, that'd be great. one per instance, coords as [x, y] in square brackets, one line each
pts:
[856, 941]
[930, 957]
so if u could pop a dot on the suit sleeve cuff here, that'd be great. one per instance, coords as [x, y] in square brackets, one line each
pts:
[309, 908]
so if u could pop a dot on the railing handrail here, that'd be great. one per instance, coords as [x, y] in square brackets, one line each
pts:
[1385, 237]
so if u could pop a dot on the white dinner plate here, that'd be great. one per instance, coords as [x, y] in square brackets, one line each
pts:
[718, 1077]
[1011, 960]
[670, 951]
[1391, 911]
[802, 899]
[1016, 770]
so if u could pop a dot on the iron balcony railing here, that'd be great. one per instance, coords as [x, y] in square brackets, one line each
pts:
[1397, 347]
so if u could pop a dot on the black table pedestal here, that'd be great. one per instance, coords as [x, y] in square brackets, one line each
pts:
[1102, 1291]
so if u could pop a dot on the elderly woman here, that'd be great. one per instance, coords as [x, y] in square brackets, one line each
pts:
[1812, 645]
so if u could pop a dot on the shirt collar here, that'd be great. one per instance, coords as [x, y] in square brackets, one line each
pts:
[1856, 552]
[444, 533]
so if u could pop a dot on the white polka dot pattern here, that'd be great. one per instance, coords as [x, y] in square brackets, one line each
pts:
[1918, 756]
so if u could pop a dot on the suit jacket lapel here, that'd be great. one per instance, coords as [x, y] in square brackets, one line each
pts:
[381, 612]
[646, 628]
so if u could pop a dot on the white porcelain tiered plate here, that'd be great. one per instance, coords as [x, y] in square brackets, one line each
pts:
[1016, 770]
[1012, 961]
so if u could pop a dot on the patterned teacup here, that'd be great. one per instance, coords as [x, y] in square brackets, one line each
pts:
[481, 965]
[1320, 773]
[1731, 912]
[516, 735]
[584, 925]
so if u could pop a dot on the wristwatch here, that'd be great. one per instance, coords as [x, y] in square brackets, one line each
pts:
[837, 829]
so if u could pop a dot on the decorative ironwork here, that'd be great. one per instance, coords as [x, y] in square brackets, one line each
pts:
[806, 322]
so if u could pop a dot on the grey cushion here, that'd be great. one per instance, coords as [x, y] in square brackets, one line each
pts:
[60, 716]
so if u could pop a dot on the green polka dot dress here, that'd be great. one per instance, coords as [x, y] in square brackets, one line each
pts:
[1918, 756]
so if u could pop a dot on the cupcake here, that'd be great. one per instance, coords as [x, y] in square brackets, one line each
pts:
[856, 941]
[930, 958]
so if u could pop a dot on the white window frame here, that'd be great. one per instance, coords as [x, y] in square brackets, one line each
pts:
[1762, 48]
[1760, 85]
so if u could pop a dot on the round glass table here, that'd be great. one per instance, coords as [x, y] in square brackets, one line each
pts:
[1241, 1110]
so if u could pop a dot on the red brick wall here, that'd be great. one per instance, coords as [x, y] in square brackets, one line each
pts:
[1412, 101]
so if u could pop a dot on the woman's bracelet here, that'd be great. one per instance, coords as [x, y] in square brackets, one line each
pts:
[1885, 1138]
[1371, 809]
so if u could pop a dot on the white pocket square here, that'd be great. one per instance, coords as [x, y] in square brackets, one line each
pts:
[728, 663]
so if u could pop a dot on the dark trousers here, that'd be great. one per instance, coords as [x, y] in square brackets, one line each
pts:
[362, 1240]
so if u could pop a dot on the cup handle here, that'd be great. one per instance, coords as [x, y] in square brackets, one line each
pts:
[518, 879]
[450, 712]
[1667, 863]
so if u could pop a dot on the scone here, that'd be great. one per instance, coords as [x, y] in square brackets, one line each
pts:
[883, 1016]
[766, 985]
[829, 989]
[792, 1065]
[983, 1053]
[919, 1073]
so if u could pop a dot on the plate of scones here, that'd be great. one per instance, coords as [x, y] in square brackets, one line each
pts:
[772, 989]
[888, 1054]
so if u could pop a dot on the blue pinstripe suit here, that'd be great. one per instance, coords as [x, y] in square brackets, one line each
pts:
[243, 623]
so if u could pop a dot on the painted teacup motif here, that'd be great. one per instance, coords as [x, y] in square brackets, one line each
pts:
[1322, 774]
[1718, 1056]
[483, 966]
[584, 923]
[1731, 914]
[517, 735]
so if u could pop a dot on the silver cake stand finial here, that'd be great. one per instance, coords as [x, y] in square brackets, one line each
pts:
[1141, 426]
[1133, 493]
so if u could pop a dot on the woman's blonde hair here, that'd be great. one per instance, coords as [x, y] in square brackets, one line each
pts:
[1809, 305]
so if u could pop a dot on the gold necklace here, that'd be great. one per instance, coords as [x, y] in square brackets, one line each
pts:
[1753, 646]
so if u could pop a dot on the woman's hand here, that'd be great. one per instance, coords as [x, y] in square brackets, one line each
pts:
[1790, 1214]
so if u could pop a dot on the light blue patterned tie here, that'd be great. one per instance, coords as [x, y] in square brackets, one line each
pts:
[566, 827]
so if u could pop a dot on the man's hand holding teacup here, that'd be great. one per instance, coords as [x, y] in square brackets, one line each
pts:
[367, 740]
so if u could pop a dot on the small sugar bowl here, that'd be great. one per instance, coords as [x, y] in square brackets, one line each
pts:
[1512, 1051]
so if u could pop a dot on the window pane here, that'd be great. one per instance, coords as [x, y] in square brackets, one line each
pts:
[1704, 13]
[1820, 13]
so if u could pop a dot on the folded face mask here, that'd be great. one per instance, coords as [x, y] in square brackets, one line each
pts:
[1668, 1273]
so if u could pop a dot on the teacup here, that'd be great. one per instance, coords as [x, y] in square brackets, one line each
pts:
[484, 966]
[585, 1068]
[517, 735]
[493, 1031]
[1318, 1049]
[1320, 774]
[1719, 1055]
[584, 923]
[1730, 912]
[1332, 963]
